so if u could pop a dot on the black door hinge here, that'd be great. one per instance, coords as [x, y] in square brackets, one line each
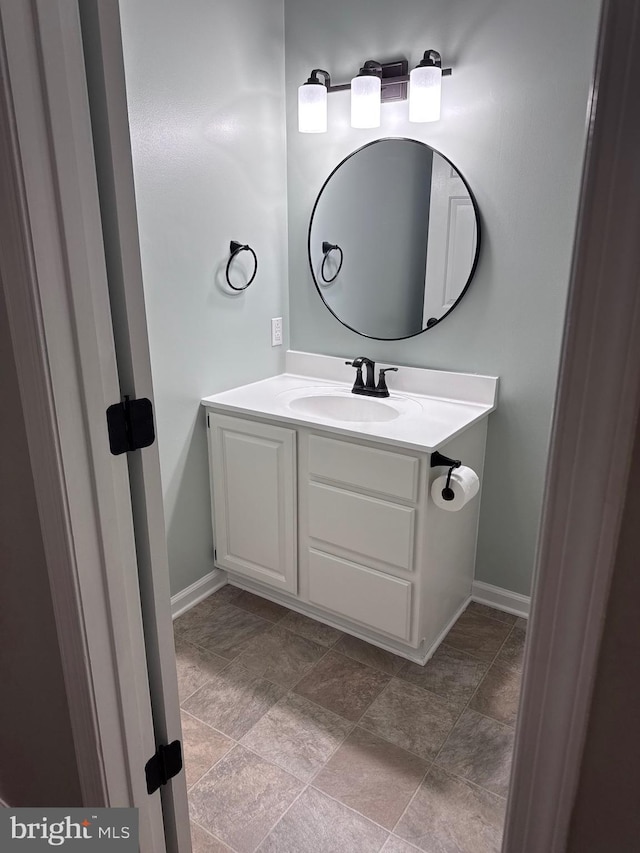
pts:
[164, 765]
[130, 425]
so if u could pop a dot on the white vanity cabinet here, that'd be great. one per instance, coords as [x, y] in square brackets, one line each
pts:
[253, 486]
[343, 529]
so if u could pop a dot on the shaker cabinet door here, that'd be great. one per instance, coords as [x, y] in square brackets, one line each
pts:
[253, 482]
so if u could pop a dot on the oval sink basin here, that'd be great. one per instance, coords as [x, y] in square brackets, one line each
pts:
[343, 408]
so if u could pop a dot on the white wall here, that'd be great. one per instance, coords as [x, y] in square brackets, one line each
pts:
[514, 123]
[206, 101]
[38, 764]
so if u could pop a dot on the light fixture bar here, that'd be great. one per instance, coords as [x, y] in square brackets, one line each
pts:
[385, 83]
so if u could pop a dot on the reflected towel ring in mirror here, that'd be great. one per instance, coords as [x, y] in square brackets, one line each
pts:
[235, 248]
[327, 248]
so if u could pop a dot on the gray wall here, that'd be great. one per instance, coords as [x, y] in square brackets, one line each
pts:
[514, 123]
[206, 100]
[35, 732]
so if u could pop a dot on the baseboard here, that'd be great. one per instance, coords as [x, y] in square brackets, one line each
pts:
[501, 599]
[192, 595]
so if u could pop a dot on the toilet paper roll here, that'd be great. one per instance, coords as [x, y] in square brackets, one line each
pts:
[465, 485]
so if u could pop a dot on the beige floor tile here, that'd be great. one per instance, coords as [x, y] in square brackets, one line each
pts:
[241, 798]
[268, 610]
[227, 594]
[372, 776]
[233, 701]
[369, 655]
[397, 845]
[297, 735]
[195, 667]
[201, 747]
[512, 652]
[521, 623]
[448, 815]
[491, 613]
[411, 718]
[478, 635]
[450, 673]
[202, 842]
[479, 749]
[342, 685]
[225, 630]
[195, 618]
[311, 629]
[317, 824]
[281, 656]
[499, 694]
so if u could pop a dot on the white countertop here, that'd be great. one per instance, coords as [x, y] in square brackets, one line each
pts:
[426, 422]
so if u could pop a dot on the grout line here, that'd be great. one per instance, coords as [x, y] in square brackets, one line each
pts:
[404, 841]
[202, 686]
[290, 806]
[468, 708]
[211, 835]
[355, 811]
[219, 672]
[412, 798]
[333, 752]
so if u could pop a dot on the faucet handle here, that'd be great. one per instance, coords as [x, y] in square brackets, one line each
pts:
[382, 382]
[359, 383]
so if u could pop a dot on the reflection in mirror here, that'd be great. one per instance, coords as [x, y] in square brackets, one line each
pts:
[394, 239]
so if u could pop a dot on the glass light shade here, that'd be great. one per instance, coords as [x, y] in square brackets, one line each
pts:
[312, 108]
[425, 88]
[365, 101]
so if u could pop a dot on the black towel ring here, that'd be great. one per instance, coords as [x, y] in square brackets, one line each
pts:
[235, 248]
[327, 248]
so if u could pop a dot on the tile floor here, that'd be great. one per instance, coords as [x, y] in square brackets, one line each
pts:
[301, 739]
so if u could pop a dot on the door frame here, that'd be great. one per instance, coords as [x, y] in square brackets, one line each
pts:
[57, 329]
[52, 269]
[594, 430]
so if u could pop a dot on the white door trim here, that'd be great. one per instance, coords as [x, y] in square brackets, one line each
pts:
[104, 64]
[53, 275]
[597, 407]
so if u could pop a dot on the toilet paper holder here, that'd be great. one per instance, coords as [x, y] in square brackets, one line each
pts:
[438, 460]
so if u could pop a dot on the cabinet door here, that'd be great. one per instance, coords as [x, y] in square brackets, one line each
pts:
[253, 479]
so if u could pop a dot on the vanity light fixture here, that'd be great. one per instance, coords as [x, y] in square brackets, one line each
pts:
[375, 83]
[366, 90]
[312, 103]
[425, 88]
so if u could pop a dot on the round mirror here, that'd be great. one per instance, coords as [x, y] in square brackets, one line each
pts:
[394, 239]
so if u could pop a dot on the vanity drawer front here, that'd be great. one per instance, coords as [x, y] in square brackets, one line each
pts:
[369, 527]
[372, 598]
[393, 474]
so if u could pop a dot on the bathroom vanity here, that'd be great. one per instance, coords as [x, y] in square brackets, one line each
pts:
[321, 499]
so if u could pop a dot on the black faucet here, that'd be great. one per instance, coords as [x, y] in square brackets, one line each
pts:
[368, 388]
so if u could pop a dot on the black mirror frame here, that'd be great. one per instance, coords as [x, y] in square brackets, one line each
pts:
[475, 259]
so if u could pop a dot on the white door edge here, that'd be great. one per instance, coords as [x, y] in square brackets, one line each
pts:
[55, 286]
